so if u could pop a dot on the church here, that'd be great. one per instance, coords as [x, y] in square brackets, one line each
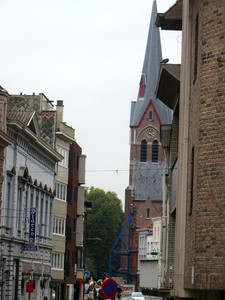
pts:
[143, 196]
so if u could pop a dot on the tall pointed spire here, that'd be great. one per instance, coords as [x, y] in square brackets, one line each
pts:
[149, 77]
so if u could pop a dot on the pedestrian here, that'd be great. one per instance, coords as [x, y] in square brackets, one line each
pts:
[119, 290]
[103, 277]
[91, 293]
[95, 294]
[100, 296]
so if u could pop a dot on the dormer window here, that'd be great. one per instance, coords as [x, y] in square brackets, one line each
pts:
[150, 116]
[142, 86]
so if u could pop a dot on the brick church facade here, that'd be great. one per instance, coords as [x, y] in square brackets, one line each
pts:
[143, 196]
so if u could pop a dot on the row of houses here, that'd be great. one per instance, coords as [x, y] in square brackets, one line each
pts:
[177, 159]
[43, 212]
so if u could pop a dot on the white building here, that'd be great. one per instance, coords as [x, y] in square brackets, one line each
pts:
[29, 172]
[149, 265]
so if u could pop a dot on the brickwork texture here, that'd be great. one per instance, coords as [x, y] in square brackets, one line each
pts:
[205, 232]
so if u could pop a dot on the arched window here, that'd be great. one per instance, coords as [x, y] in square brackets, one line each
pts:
[155, 151]
[148, 213]
[143, 151]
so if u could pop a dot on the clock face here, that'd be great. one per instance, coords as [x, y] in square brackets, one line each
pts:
[150, 133]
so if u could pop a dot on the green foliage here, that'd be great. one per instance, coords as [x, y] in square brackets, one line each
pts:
[104, 221]
[90, 266]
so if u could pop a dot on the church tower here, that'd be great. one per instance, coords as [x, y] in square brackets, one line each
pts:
[144, 194]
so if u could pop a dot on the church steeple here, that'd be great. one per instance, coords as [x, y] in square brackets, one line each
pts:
[149, 77]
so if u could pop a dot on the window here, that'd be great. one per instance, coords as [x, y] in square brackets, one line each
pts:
[196, 48]
[46, 218]
[9, 194]
[26, 211]
[31, 200]
[37, 205]
[61, 190]
[192, 178]
[8, 204]
[41, 215]
[143, 151]
[155, 151]
[148, 213]
[19, 204]
[57, 260]
[74, 225]
[64, 153]
[59, 226]
[151, 115]
[80, 258]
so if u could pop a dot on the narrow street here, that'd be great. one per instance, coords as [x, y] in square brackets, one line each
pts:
[153, 298]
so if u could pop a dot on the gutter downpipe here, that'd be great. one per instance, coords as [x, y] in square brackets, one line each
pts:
[164, 224]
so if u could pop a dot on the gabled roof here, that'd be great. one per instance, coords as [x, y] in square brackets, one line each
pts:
[158, 205]
[151, 66]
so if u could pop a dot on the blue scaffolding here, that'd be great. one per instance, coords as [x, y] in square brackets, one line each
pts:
[121, 257]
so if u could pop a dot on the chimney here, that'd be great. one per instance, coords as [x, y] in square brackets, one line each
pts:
[59, 112]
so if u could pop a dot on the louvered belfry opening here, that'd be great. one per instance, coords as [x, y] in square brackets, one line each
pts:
[143, 151]
[155, 151]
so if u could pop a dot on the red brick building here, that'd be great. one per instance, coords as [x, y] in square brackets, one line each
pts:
[76, 223]
[199, 264]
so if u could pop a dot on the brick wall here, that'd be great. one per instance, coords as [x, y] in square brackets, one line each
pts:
[205, 232]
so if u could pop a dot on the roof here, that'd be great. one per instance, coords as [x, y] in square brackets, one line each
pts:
[158, 205]
[172, 18]
[151, 66]
[148, 225]
[168, 84]
[27, 123]
[23, 116]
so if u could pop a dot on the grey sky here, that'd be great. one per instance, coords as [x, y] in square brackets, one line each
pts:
[88, 54]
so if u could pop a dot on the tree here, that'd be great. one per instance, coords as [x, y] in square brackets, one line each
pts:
[90, 266]
[104, 221]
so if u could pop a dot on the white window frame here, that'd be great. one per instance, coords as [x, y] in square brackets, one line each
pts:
[64, 153]
[60, 191]
[59, 226]
[58, 260]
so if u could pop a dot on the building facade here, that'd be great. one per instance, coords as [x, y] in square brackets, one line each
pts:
[28, 198]
[64, 137]
[198, 251]
[149, 254]
[74, 254]
[145, 193]
[5, 140]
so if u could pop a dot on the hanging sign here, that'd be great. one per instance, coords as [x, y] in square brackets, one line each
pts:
[32, 226]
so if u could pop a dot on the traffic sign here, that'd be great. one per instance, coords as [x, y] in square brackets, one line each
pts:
[154, 253]
[29, 248]
[86, 274]
[109, 288]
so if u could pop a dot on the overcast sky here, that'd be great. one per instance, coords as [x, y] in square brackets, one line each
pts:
[88, 53]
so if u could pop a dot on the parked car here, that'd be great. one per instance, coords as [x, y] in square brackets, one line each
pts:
[137, 296]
